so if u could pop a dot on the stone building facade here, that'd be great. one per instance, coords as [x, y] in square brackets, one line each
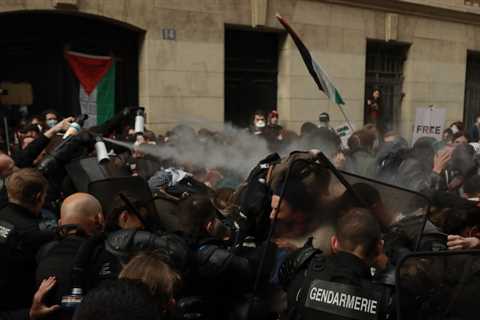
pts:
[182, 60]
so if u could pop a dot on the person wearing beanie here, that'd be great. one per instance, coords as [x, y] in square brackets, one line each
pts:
[324, 120]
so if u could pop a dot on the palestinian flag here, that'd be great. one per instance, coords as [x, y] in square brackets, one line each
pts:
[316, 71]
[96, 75]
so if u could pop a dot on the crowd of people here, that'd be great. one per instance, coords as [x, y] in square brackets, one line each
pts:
[116, 222]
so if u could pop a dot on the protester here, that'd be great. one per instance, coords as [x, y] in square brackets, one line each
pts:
[274, 131]
[421, 169]
[308, 128]
[457, 126]
[374, 107]
[161, 279]
[273, 120]
[324, 121]
[26, 156]
[259, 123]
[119, 300]
[37, 121]
[460, 137]
[475, 130]
[38, 309]
[360, 158]
[51, 118]
[206, 218]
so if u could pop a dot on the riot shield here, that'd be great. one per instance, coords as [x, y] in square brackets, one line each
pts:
[84, 171]
[398, 208]
[332, 191]
[132, 187]
[438, 285]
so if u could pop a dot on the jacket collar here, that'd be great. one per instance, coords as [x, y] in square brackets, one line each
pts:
[356, 265]
[22, 210]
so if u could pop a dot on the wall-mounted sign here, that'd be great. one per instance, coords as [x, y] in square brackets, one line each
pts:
[169, 34]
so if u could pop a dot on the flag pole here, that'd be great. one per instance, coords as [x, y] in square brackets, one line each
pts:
[319, 76]
[346, 118]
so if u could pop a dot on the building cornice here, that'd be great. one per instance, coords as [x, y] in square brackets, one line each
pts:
[415, 9]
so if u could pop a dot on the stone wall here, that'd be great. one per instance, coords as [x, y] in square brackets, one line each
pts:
[183, 80]
[336, 36]
[458, 5]
[436, 66]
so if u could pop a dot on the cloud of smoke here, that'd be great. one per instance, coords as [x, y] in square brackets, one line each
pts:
[237, 150]
[234, 149]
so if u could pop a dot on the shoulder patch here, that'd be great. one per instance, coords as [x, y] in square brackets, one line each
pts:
[6, 231]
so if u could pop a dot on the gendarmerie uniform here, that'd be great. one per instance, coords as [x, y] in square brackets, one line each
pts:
[332, 288]
[17, 279]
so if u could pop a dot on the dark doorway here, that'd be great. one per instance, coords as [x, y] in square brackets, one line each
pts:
[32, 50]
[251, 67]
[384, 71]
[472, 89]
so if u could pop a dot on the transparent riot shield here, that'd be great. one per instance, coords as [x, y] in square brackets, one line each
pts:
[397, 209]
[438, 285]
[401, 213]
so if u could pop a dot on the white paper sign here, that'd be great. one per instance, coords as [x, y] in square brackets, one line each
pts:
[429, 122]
[344, 132]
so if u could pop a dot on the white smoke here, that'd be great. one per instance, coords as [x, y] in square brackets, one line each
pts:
[237, 150]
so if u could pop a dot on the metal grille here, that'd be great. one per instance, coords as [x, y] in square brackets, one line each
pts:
[472, 88]
[384, 70]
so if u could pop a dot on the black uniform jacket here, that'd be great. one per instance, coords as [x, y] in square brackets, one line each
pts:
[18, 268]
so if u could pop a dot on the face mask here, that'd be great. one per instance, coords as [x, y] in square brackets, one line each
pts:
[51, 123]
[260, 124]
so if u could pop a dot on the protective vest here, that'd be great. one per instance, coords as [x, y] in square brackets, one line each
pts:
[331, 291]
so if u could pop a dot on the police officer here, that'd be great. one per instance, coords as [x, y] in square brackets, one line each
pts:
[131, 226]
[26, 190]
[338, 286]
[80, 218]
[217, 269]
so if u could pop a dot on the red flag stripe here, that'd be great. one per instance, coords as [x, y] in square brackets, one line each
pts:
[88, 69]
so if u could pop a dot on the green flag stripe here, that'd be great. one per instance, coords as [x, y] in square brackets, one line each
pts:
[106, 96]
[338, 98]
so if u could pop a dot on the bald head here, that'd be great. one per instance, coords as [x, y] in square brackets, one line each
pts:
[6, 165]
[81, 209]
